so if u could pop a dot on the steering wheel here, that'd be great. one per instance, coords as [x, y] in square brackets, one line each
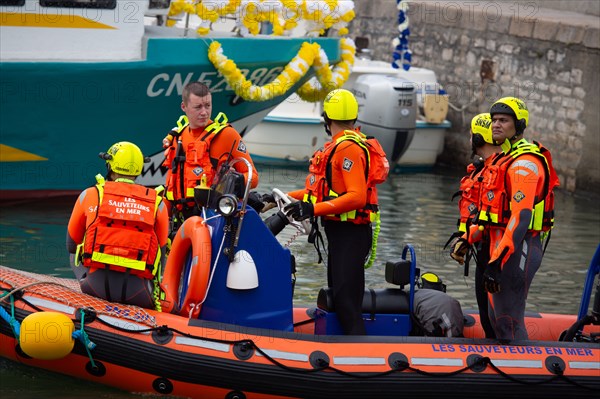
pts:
[282, 200]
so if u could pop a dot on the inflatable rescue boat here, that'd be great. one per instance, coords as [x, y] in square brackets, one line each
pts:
[228, 329]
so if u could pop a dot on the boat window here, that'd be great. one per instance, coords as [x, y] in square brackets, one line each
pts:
[12, 2]
[159, 4]
[110, 4]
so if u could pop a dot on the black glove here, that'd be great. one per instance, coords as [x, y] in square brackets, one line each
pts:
[268, 198]
[459, 249]
[491, 277]
[255, 201]
[299, 210]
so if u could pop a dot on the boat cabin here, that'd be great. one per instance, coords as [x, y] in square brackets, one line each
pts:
[73, 30]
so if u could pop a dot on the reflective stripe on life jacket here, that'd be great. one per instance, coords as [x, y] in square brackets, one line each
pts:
[318, 188]
[495, 203]
[188, 162]
[122, 236]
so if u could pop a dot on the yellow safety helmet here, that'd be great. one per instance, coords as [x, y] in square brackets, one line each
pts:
[514, 107]
[340, 105]
[481, 125]
[124, 158]
[431, 281]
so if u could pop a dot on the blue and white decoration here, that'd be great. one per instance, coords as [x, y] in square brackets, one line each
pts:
[402, 55]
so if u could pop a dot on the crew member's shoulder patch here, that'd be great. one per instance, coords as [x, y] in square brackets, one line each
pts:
[197, 170]
[347, 165]
[242, 147]
[519, 196]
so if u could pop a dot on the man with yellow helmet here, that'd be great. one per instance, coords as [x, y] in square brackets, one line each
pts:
[118, 231]
[340, 190]
[516, 209]
[467, 238]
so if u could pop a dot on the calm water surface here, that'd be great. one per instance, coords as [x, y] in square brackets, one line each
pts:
[416, 209]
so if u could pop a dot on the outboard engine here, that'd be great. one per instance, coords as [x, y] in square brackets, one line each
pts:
[387, 110]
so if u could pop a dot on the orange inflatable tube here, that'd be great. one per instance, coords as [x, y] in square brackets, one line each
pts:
[194, 236]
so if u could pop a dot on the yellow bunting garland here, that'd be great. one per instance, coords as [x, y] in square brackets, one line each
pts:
[284, 15]
[326, 80]
[310, 54]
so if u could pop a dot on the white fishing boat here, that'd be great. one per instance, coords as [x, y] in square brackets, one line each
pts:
[291, 132]
[79, 75]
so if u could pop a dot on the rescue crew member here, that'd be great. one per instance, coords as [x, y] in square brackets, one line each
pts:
[468, 238]
[517, 204]
[197, 148]
[118, 232]
[336, 191]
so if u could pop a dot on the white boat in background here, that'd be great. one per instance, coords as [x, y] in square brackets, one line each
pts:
[427, 144]
[293, 131]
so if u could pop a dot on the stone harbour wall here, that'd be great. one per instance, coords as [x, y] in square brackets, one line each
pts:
[484, 50]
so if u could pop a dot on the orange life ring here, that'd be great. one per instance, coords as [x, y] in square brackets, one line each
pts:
[195, 235]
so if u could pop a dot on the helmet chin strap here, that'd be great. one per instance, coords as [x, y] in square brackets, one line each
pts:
[326, 123]
[108, 176]
[517, 128]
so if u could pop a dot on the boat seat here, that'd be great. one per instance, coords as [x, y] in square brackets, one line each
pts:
[398, 273]
[386, 311]
[382, 300]
[375, 301]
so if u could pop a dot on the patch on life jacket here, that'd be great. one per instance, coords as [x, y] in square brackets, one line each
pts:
[472, 208]
[347, 165]
[312, 179]
[519, 196]
[242, 147]
[490, 195]
[197, 171]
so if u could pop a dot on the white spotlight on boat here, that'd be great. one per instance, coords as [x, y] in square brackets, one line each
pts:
[242, 274]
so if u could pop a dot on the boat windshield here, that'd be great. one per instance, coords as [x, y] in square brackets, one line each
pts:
[108, 4]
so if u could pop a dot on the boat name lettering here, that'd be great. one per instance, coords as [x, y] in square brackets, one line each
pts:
[443, 348]
[499, 349]
[165, 84]
[579, 351]
[136, 315]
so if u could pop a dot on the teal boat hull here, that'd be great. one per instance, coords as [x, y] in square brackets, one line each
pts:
[57, 116]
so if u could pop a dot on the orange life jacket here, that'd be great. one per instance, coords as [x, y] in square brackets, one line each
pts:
[122, 235]
[188, 165]
[495, 203]
[469, 196]
[318, 186]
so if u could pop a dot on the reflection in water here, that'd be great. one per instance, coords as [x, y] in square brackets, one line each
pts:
[416, 209]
